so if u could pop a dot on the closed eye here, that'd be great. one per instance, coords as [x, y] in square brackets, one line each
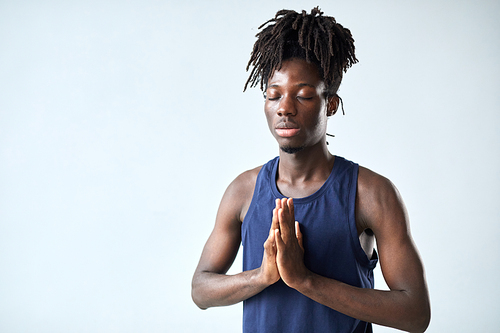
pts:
[274, 95]
[274, 98]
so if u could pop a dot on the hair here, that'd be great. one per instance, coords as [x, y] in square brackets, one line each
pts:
[316, 38]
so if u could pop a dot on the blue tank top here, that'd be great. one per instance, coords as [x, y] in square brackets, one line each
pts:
[332, 249]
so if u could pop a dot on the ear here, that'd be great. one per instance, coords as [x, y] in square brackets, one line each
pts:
[332, 106]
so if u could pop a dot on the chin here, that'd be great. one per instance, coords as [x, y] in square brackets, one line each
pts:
[291, 150]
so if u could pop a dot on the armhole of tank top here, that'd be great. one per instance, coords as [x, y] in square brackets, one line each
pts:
[356, 244]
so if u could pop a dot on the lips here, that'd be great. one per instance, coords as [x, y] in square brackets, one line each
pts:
[286, 129]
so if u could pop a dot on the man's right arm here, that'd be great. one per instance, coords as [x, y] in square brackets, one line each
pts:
[211, 286]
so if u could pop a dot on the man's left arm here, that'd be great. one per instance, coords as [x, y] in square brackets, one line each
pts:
[379, 207]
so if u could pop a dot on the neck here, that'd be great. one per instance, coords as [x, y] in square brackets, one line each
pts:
[310, 164]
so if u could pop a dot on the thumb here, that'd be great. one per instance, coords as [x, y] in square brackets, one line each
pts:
[279, 241]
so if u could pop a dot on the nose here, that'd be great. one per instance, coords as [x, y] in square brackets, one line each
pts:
[286, 106]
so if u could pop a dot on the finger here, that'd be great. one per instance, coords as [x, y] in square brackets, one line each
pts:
[283, 225]
[288, 211]
[286, 221]
[284, 205]
[299, 236]
[291, 209]
[278, 240]
[272, 244]
[275, 222]
[269, 244]
[278, 203]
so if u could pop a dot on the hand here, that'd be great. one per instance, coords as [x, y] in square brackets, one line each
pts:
[269, 269]
[289, 245]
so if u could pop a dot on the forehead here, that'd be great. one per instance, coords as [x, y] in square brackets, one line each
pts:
[296, 71]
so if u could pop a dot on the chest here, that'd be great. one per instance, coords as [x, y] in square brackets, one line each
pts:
[326, 224]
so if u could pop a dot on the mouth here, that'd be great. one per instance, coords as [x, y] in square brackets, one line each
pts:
[286, 129]
[287, 132]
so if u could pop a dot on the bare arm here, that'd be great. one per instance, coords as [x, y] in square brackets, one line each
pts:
[379, 208]
[211, 286]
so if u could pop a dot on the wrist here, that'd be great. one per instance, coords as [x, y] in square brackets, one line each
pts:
[305, 283]
[264, 278]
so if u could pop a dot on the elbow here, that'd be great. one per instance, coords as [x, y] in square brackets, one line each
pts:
[196, 296]
[199, 304]
[197, 300]
[415, 318]
[418, 326]
[423, 321]
[420, 321]
[425, 317]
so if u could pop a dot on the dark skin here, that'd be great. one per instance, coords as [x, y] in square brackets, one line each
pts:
[297, 110]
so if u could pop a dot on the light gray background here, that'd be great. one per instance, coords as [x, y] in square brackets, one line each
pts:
[122, 123]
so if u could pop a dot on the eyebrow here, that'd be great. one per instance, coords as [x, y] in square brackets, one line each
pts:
[297, 85]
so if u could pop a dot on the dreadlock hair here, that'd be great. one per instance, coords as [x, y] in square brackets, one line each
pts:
[316, 38]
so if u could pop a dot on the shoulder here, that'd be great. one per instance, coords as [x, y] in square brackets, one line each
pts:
[377, 200]
[239, 193]
[245, 182]
[373, 184]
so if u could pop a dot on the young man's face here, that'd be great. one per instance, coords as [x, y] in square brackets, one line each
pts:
[295, 107]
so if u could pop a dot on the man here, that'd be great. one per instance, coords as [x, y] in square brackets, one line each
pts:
[308, 219]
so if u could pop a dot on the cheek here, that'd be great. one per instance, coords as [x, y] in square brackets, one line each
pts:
[323, 119]
[320, 125]
[320, 121]
[269, 116]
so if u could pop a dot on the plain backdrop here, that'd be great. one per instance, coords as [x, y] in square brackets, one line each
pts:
[122, 123]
